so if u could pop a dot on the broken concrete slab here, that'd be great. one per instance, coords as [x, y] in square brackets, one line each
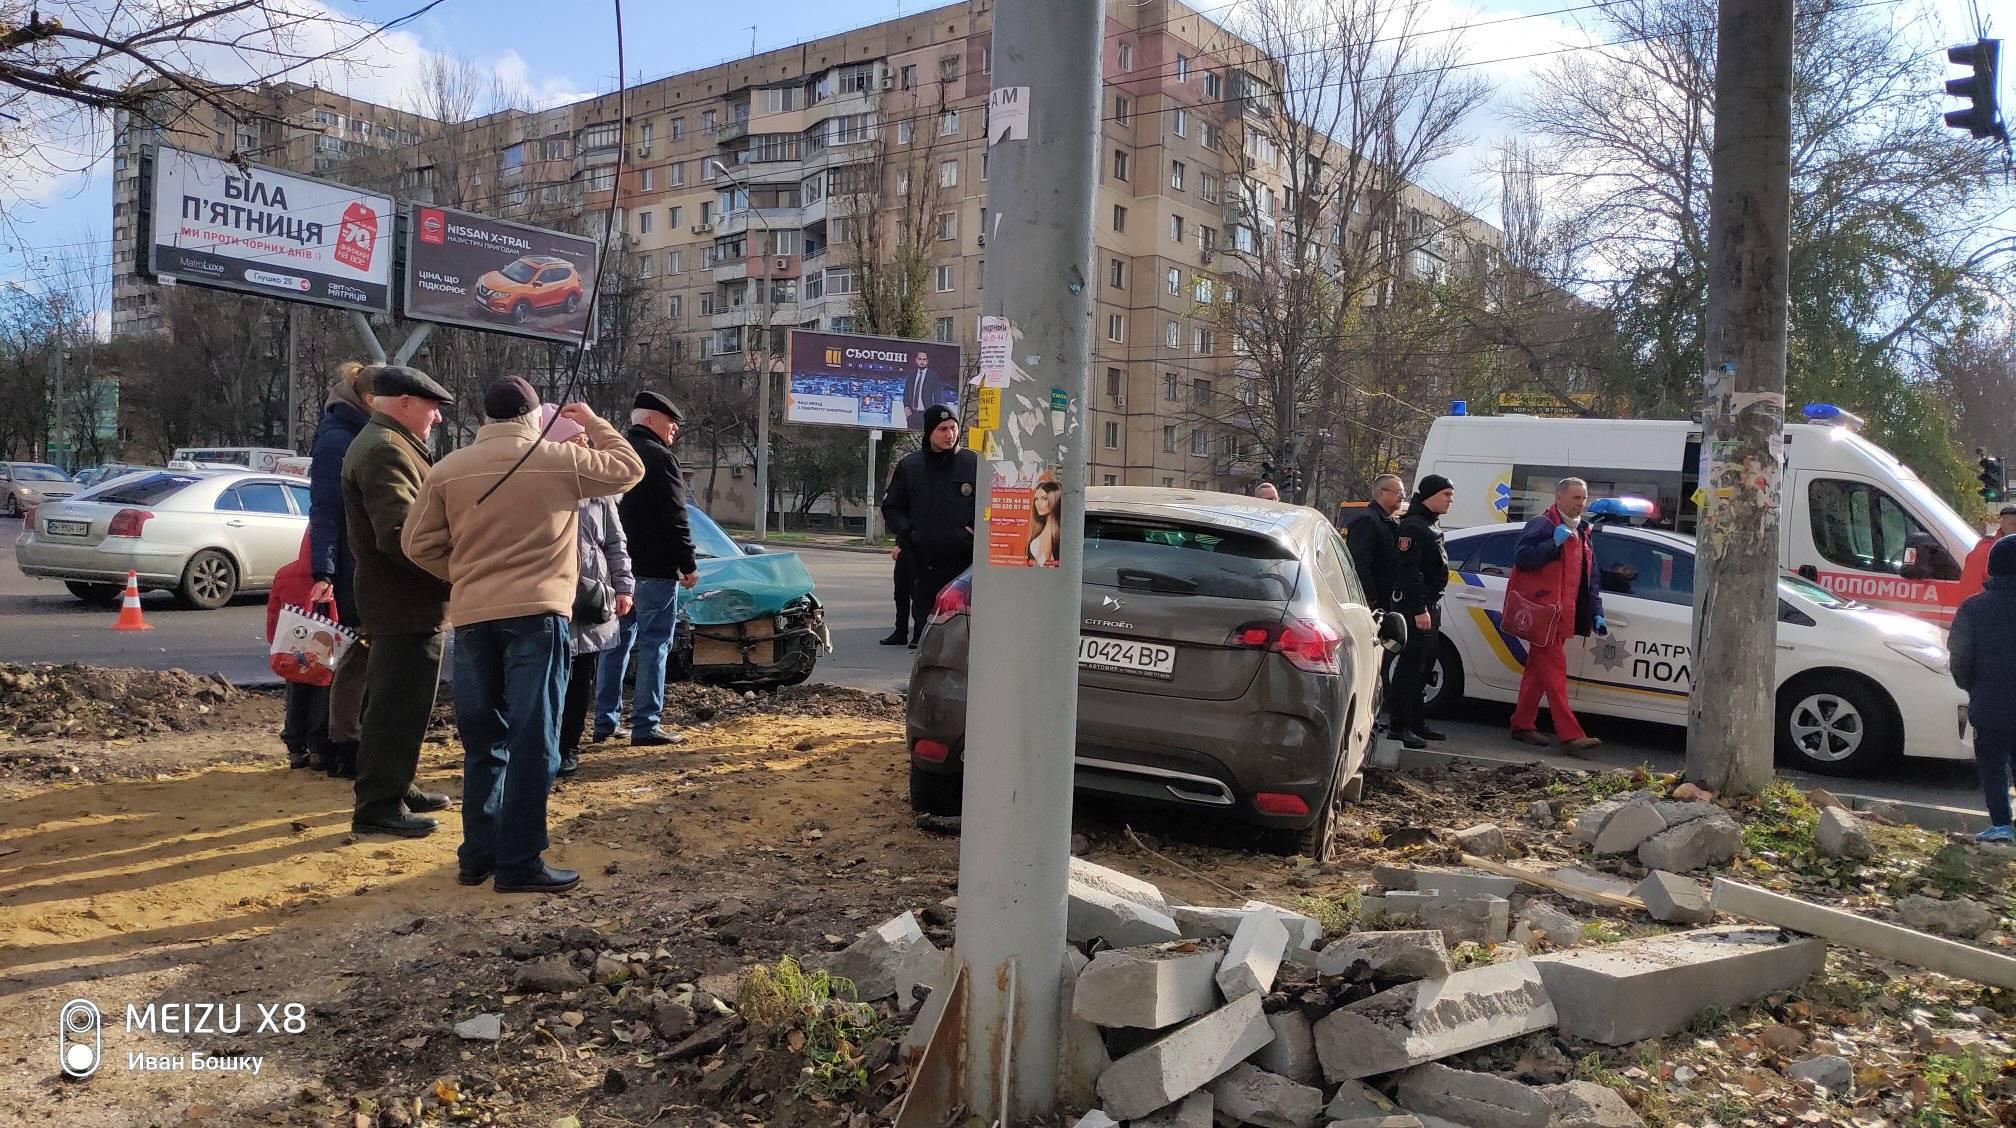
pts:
[1292, 1053]
[1674, 899]
[1695, 844]
[1193, 1111]
[1686, 811]
[1590, 822]
[1201, 922]
[1356, 1100]
[1081, 1055]
[1477, 920]
[1125, 886]
[1097, 1118]
[1872, 936]
[1628, 829]
[1303, 931]
[1401, 954]
[1621, 993]
[890, 960]
[1560, 929]
[1485, 840]
[1472, 1098]
[1586, 885]
[1842, 835]
[1184, 1060]
[1453, 882]
[1094, 914]
[1253, 956]
[1422, 1022]
[1147, 988]
[1585, 1104]
[1246, 1095]
[1953, 916]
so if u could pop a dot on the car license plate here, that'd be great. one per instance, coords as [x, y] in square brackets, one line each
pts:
[1125, 656]
[68, 528]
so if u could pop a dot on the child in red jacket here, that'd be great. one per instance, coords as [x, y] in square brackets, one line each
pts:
[305, 731]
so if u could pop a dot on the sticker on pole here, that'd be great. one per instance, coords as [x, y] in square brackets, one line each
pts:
[996, 334]
[1025, 520]
[1007, 114]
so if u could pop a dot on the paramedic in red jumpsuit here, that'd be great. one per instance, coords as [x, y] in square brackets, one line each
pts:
[1555, 555]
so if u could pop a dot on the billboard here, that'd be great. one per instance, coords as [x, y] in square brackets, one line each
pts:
[845, 380]
[467, 269]
[271, 233]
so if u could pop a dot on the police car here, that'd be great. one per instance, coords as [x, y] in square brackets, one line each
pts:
[1857, 686]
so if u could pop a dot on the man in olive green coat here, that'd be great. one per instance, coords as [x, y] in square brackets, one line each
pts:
[403, 607]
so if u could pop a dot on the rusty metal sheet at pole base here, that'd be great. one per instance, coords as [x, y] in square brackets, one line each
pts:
[933, 1099]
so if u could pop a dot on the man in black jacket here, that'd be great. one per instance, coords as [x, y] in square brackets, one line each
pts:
[661, 555]
[1423, 573]
[929, 508]
[1983, 646]
[1373, 538]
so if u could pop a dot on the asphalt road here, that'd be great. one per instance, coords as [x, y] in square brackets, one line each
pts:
[40, 622]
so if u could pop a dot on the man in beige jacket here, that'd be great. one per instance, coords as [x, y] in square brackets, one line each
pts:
[497, 520]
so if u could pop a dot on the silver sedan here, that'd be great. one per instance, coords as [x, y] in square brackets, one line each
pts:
[204, 535]
[25, 484]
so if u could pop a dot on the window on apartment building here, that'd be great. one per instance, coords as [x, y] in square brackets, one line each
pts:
[1179, 123]
[849, 129]
[905, 130]
[1168, 483]
[1112, 480]
[1119, 164]
[1172, 335]
[707, 304]
[646, 180]
[599, 180]
[1112, 439]
[1116, 327]
[902, 182]
[674, 215]
[948, 225]
[647, 265]
[948, 174]
[843, 324]
[1176, 228]
[1113, 383]
[1214, 84]
[1201, 290]
[1116, 273]
[675, 174]
[1119, 217]
[908, 76]
[646, 133]
[980, 274]
[710, 122]
[1169, 384]
[1173, 279]
[983, 166]
[706, 211]
[815, 286]
[1182, 68]
[551, 149]
[644, 223]
[599, 136]
[947, 278]
[1176, 171]
[1200, 444]
[676, 129]
[1169, 444]
[944, 331]
[324, 117]
[1200, 392]
[1204, 340]
[706, 170]
[1207, 239]
[1207, 187]
[987, 59]
[1126, 57]
[1123, 108]
[675, 307]
[842, 280]
[706, 347]
[948, 68]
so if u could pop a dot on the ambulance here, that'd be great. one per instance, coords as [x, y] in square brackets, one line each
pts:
[1855, 520]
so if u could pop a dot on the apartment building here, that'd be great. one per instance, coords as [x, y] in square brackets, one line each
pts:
[748, 190]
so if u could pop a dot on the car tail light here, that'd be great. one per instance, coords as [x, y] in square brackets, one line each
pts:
[954, 600]
[1306, 644]
[1279, 803]
[930, 750]
[128, 523]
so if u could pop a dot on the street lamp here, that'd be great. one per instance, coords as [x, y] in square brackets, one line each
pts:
[763, 370]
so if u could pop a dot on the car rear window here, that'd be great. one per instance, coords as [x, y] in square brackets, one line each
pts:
[1176, 558]
[144, 491]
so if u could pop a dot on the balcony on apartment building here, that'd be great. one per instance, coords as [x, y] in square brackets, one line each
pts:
[758, 220]
[779, 314]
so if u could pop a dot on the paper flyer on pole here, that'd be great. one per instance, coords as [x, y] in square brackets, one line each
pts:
[1025, 522]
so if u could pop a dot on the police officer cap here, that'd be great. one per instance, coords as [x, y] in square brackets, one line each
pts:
[399, 380]
[935, 414]
[652, 401]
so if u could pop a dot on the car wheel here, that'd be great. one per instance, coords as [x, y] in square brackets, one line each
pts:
[100, 595]
[209, 581]
[1318, 843]
[934, 794]
[1834, 724]
[1444, 689]
[521, 312]
[573, 302]
[13, 507]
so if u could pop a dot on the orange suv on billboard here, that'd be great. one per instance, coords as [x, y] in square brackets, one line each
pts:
[530, 284]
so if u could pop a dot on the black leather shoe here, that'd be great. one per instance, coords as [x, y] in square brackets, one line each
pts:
[545, 879]
[1413, 741]
[568, 766]
[602, 737]
[402, 824]
[473, 877]
[656, 738]
[420, 802]
[1426, 733]
[896, 638]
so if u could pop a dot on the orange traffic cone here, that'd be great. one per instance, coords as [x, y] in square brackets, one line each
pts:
[129, 608]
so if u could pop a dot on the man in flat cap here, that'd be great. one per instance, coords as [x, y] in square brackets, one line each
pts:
[661, 555]
[497, 519]
[929, 507]
[402, 608]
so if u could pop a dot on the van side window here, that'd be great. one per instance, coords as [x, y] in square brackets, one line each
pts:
[1857, 525]
[1491, 554]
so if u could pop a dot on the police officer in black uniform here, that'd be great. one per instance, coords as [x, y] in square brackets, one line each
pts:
[1424, 572]
[930, 509]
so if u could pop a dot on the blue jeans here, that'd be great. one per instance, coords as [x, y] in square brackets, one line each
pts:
[510, 676]
[647, 629]
[1994, 753]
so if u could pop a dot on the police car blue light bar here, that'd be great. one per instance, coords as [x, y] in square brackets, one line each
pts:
[1829, 413]
[1632, 509]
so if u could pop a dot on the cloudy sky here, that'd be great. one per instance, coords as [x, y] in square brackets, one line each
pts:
[61, 223]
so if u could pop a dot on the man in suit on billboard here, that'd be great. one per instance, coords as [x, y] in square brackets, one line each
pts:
[922, 390]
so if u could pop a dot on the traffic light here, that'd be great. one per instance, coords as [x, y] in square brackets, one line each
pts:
[1992, 482]
[1982, 118]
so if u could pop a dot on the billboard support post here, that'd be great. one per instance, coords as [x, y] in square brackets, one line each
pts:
[762, 451]
[868, 498]
[362, 324]
[413, 342]
[293, 378]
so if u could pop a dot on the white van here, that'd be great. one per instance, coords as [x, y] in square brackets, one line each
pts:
[261, 459]
[1856, 521]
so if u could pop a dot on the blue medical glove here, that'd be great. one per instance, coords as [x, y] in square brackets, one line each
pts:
[1562, 533]
[1602, 626]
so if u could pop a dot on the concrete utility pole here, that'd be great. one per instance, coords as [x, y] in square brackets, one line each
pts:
[1732, 716]
[1022, 720]
[762, 521]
